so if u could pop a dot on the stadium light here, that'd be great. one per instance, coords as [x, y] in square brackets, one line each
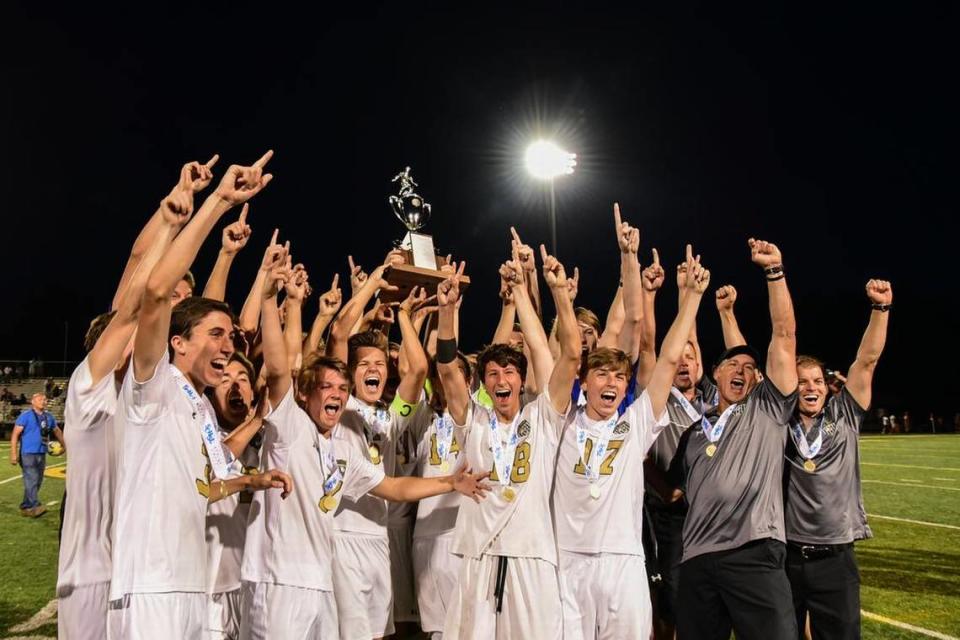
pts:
[546, 161]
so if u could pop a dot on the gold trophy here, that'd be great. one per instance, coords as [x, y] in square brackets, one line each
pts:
[422, 264]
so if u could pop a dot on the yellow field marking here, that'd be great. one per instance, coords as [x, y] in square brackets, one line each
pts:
[908, 520]
[60, 473]
[908, 627]
[922, 486]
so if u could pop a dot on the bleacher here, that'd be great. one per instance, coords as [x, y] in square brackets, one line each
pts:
[28, 387]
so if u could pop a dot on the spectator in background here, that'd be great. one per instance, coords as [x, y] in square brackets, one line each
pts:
[21, 400]
[6, 395]
[7, 373]
[906, 422]
[48, 387]
[19, 373]
[31, 433]
[894, 427]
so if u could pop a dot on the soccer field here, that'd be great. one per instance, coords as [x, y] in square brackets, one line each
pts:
[910, 569]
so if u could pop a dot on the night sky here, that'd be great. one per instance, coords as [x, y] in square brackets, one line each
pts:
[828, 131]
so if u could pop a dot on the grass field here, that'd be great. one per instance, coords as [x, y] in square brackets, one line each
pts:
[910, 569]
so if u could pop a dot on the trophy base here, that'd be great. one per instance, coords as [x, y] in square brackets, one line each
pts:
[406, 276]
[421, 250]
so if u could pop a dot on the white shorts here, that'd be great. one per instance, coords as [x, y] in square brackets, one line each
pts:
[361, 581]
[605, 596]
[82, 613]
[437, 570]
[531, 602]
[291, 613]
[401, 573]
[157, 616]
[223, 615]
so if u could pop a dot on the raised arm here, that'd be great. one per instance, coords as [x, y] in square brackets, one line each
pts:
[297, 289]
[237, 186]
[628, 239]
[508, 314]
[454, 386]
[330, 303]
[234, 238]
[732, 337]
[652, 278]
[860, 376]
[415, 369]
[560, 382]
[193, 175]
[782, 352]
[695, 282]
[249, 319]
[613, 326]
[533, 334]
[276, 366]
[529, 265]
[352, 312]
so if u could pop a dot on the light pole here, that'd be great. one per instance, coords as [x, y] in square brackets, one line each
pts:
[547, 161]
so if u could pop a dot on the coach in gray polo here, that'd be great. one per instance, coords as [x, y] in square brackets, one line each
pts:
[730, 467]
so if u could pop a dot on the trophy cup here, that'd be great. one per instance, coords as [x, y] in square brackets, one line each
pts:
[422, 265]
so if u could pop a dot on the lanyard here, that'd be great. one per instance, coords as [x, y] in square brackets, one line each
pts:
[444, 427]
[714, 432]
[599, 447]
[503, 454]
[685, 404]
[377, 418]
[806, 449]
[208, 429]
[328, 464]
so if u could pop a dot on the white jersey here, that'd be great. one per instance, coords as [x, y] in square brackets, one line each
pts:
[85, 543]
[162, 486]
[227, 528]
[522, 527]
[436, 515]
[370, 431]
[290, 542]
[611, 522]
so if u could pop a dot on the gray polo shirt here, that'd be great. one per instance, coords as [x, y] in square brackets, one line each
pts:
[736, 495]
[825, 506]
[665, 446]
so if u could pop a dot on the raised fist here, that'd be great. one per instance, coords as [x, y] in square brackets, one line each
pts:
[879, 292]
[763, 253]
[726, 296]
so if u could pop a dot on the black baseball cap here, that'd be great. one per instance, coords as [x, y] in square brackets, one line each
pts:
[743, 349]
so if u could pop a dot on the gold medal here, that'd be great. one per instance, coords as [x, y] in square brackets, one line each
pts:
[594, 492]
[374, 452]
[711, 449]
[328, 504]
[401, 459]
[445, 467]
[508, 494]
[809, 466]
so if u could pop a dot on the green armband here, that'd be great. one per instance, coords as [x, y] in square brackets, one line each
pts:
[403, 408]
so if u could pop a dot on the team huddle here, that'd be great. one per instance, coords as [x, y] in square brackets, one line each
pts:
[234, 476]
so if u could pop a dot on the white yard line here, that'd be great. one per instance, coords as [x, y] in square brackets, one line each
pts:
[908, 466]
[45, 616]
[49, 466]
[908, 520]
[908, 627]
[901, 484]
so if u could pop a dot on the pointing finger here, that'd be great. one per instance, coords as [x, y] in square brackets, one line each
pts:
[516, 237]
[243, 213]
[264, 159]
[212, 161]
[543, 252]
[336, 280]
[616, 215]
[656, 257]
[273, 240]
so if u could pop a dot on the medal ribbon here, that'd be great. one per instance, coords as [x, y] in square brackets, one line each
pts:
[331, 470]
[502, 455]
[714, 432]
[444, 427]
[685, 404]
[806, 449]
[377, 418]
[599, 446]
[208, 430]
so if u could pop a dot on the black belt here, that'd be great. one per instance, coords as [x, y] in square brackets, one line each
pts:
[817, 551]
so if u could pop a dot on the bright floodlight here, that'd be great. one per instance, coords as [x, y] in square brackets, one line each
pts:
[546, 160]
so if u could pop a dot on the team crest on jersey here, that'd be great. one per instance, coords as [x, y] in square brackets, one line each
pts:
[829, 427]
[622, 428]
[523, 430]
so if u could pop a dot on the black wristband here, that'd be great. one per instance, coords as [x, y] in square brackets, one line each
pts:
[774, 270]
[881, 307]
[446, 351]
[774, 278]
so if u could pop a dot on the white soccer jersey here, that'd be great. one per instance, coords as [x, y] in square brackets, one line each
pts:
[611, 522]
[371, 432]
[227, 528]
[436, 515]
[85, 543]
[290, 541]
[521, 527]
[162, 488]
